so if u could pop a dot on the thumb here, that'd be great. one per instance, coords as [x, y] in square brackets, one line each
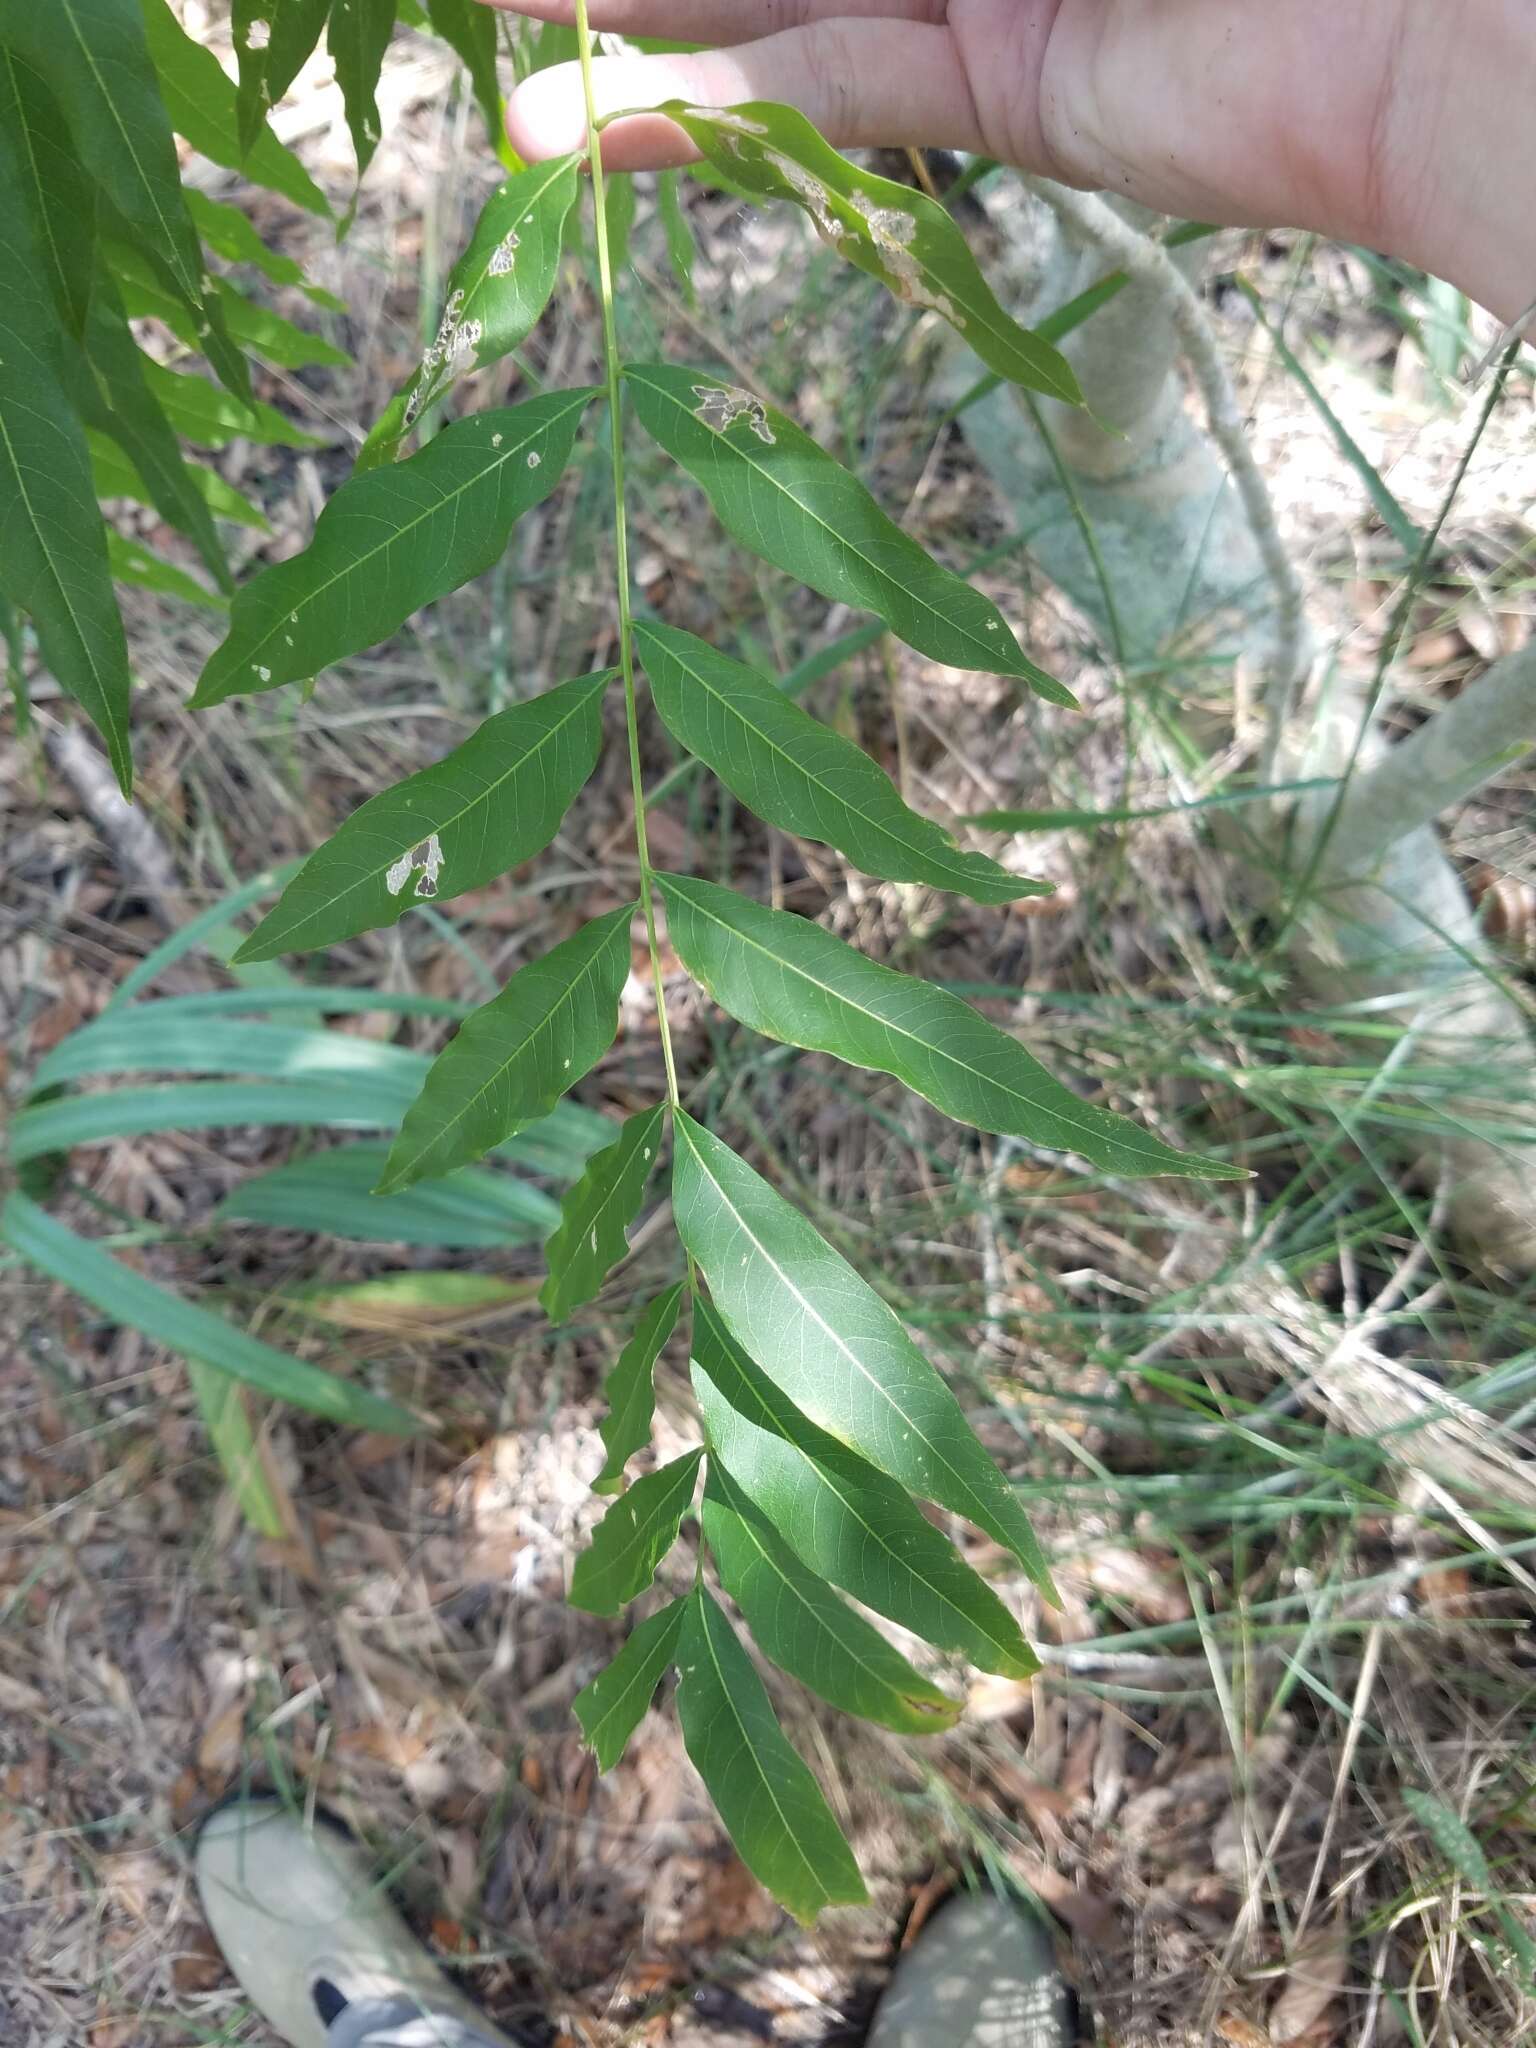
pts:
[863, 83]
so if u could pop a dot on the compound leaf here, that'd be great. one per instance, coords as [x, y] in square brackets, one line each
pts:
[497, 290]
[596, 1214]
[634, 1536]
[480, 811]
[908, 241]
[787, 500]
[797, 1620]
[630, 1390]
[201, 102]
[823, 1335]
[798, 774]
[784, 976]
[53, 549]
[772, 1807]
[611, 1708]
[392, 541]
[846, 1520]
[357, 35]
[517, 1055]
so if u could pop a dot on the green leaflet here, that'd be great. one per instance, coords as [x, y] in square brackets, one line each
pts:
[497, 290]
[131, 562]
[905, 239]
[357, 35]
[60, 198]
[474, 815]
[517, 1055]
[784, 976]
[469, 30]
[95, 60]
[202, 104]
[824, 1336]
[119, 402]
[633, 1537]
[596, 1214]
[847, 1521]
[392, 541]
[611, 1708]
[115, 477]
[620, 214]
[800, 775]
[808, 1631]
[630, 1390]
[127, 1297]
[53, 550]
[772, 1807]
[229, 233]
[264, 333]
[272, 39]
[331, 1192]
[201, 412]
[679, 235]
[787, 500]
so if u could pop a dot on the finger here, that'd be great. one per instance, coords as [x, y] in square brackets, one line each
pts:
[863, 84]
[719, 21]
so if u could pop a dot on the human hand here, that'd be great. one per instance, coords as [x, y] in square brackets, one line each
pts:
[1400, 123]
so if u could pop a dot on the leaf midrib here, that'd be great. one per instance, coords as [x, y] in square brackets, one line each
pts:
[881, 1684]
[595, 1217]
[810, 1309]
[458, 817]
[356, 564]
[746, 455]
[898, 1030]
[992, 317]
[953, 859]
[969, 1625]
[682, 1471]
[565, 996]
[558, 169]
[747, 1746]
[665, 1644]
[115, 730]
[166, 225]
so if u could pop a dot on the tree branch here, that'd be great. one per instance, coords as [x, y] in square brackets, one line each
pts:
[1448, 759]
[1149, 264]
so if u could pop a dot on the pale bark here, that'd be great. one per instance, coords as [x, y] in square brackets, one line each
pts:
[1188, 552]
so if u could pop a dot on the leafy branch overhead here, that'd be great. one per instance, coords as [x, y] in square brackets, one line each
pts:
[824, 1426]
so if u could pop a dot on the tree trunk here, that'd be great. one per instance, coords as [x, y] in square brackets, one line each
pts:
[1183, 568]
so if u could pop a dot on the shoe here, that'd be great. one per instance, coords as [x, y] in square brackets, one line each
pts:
[315, 1943]
[982, 1974]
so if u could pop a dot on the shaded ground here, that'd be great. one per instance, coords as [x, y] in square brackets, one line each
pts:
[1272, 1625]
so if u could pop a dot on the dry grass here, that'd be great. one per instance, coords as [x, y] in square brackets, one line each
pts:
[1275, 1618]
